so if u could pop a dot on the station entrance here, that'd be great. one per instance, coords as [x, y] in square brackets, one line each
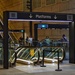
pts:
[38, 16]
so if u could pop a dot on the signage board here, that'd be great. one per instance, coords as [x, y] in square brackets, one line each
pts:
[40, 16]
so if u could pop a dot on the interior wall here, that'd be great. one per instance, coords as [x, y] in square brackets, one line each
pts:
[67, 6]
[53, 34]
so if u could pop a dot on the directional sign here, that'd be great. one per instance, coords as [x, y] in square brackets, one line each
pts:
[40, 16]
[55, 17]
[30, 16]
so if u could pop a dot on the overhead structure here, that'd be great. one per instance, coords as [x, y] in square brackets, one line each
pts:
[38, 16]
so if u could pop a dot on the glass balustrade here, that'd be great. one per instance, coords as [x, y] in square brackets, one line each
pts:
[31, 54]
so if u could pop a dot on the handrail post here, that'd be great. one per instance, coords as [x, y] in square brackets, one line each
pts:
[15, 58]
[58, 69]
[42, 65]
[38, 57]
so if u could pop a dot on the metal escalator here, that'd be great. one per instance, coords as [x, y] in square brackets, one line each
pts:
[12, 55]
[27, 55]
[22, 55]
[53, 54]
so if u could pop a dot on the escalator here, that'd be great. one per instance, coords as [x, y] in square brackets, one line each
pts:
[30, 55]
[52, 56]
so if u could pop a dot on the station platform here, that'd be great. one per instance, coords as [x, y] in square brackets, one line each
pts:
[67, 69]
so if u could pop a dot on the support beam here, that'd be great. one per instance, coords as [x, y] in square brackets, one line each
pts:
[5, 41]
[71, 42]
[31, 21]
[35, 32]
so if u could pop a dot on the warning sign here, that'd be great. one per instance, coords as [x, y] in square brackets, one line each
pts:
[32, 52]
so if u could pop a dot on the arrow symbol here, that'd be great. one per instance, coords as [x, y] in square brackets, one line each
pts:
[30, 16]
[55, 17]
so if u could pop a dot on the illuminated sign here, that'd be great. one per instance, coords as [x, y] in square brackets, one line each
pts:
[40, 26]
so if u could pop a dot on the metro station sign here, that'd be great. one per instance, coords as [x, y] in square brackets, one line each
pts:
[33, 16]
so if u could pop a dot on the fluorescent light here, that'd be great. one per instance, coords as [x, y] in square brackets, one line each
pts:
[39, 20]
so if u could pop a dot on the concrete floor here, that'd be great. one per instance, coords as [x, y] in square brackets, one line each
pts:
[67, 69]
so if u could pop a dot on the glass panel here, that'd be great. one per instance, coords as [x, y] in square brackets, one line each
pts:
[12, 54]
[33, 55]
